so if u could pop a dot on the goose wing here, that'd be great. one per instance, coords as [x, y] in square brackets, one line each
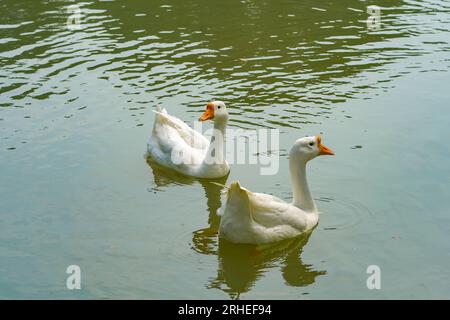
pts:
[266, 210]
[270, 211]
[168, 126]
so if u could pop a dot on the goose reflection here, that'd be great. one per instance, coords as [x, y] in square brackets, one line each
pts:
[164, 177]
[241, 265]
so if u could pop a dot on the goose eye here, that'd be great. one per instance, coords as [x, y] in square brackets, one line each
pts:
[218, 107]
[311, 144]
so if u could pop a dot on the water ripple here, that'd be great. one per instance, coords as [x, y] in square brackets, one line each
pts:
[285, 64]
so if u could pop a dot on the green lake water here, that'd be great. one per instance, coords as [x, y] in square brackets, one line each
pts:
[75, 118]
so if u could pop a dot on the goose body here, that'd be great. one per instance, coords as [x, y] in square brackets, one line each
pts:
[258, 218]
[175, 145]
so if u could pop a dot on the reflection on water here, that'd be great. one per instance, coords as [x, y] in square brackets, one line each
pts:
[204, 239]
[164, 177]
[240, 266]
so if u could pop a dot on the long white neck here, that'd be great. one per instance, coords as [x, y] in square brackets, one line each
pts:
[301, 193]
[217, 142]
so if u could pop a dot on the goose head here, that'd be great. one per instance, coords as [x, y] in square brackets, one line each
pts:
[215, 110]
[308, 148]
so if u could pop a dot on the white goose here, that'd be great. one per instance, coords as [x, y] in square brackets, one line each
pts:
[175, 145]
[258, 218]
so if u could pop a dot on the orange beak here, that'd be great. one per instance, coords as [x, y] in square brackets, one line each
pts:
[208, 114]
[322, 149]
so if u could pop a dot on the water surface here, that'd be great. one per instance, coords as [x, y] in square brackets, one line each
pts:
[75, 116]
